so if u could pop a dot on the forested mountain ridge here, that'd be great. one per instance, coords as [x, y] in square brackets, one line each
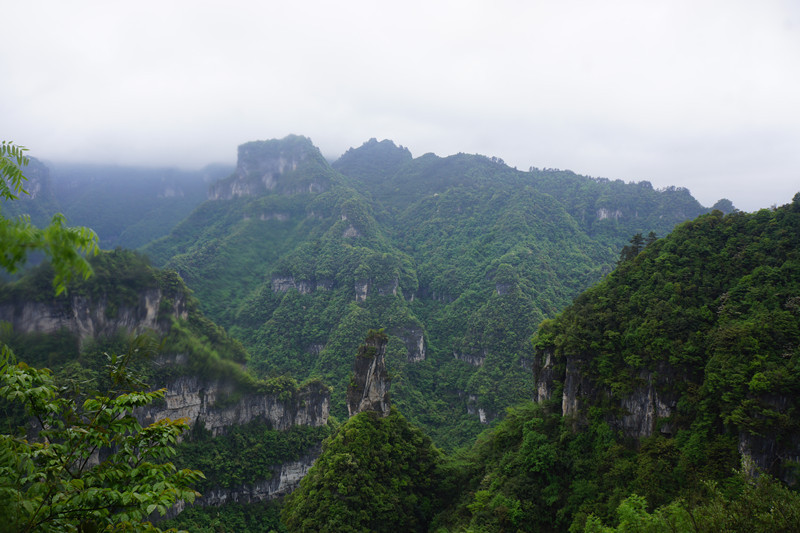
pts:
[704, 322]
[126, 206]
[128, 307]
[458, 258]
[654, 388]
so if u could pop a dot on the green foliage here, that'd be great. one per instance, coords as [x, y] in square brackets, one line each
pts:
[124, 284]
[761, 504]
[230, 518]
[375, 474]
[521, 475]
[710, 312]
[12, 159]
[464, 252]
[52, 482]
[245, 454]
[65, 247]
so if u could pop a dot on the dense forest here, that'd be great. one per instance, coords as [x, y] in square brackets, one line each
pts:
[565, 353]
[458, 258]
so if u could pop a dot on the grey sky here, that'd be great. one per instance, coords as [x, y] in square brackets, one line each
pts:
[700, 94]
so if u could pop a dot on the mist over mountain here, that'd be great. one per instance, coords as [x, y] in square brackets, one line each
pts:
[458, 258]
[563, 349]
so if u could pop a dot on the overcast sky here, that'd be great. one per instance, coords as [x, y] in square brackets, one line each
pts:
[699, 94]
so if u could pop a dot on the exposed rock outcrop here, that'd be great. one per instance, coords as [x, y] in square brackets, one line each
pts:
[284, 283]
[361, 288]
[471, 358]
[209, 402]
[86, 318]
[275, 166]
[471, 402]
[644, 411]
[369, 386]
[414, 340]
[604, 213]
[364, 287]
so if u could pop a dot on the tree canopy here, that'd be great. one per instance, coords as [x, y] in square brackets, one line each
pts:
[80, 460]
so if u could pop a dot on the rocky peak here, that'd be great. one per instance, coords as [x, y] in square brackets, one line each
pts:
[373, 161]
[277, 166]
[369, 386]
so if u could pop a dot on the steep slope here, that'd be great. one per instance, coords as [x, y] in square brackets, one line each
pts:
[40, 201]
[696, 335]
[290, 257]
[201, 367]
[129, 206]
[458, 258]
[496, 251]
[378, 472]
[677, 369]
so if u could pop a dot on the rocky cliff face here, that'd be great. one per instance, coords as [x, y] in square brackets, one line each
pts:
[369, 387]
[275, 166]
[86, 318]
[650, 409]
[208, 402]
[644, 411]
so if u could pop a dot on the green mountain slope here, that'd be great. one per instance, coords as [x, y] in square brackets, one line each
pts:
[129, 206]
[459, 258]
[676, 370]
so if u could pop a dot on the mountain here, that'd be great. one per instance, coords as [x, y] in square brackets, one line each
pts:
[127, 206]
[653, 388]
[457, 258]
[149, 316]
[670, 384]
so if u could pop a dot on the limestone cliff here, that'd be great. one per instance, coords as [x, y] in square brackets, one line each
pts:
[208, 402]
[369, 386]
[200, 367]
[88, 317]
[647, 409]
[651, 408]
[286, 166]
[286, 477]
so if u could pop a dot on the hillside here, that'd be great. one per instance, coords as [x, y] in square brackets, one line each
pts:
[126, 206]
[664, 395]
[458, 258]
[128, 309]
[677, 370]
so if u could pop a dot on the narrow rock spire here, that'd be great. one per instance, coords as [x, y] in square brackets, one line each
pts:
[369, 386]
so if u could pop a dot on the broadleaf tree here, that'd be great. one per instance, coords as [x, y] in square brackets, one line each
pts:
[82, 462]
[65, 247]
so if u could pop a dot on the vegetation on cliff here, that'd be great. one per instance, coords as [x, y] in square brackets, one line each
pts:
[668, 392]
[458, 258]
[375, 474]
[710, 314]
[703, 328]
[52, 477]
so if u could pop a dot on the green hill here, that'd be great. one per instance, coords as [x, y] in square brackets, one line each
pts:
[673, 383]
[458, 258]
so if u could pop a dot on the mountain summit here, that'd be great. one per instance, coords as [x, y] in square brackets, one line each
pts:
[277, 166]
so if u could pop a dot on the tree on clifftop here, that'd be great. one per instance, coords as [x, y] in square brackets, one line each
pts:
[376, 473]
